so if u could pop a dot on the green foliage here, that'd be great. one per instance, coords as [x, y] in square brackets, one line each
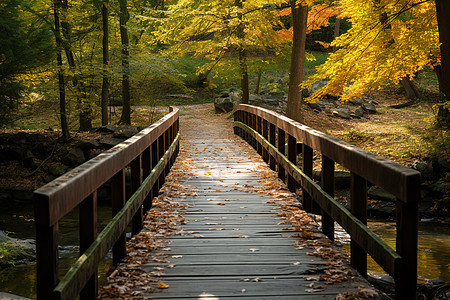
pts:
[11, 255]
[24, 44]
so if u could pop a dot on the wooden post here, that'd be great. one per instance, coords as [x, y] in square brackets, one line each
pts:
[88, 234]
[155, 159]
[46, 260]
[136, 181]
[161, 151]
[307, 169]
[118, 201]
[358, 205]
[282, 149]
[328, 187]
[259, 130]
[407, 227]
[265, 133]
[272, 141]
[254, 126]
[292, 156]
[146, 169]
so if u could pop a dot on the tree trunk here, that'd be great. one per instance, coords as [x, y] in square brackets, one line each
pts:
[243, 57]
[299, 18]
[126, 108]
[61, 83]
[258, 82]
[337, 28]
[411, 89]
[244, 76]
[105, 84]
[443, 71]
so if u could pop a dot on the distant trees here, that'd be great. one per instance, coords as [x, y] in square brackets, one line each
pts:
[25, 43]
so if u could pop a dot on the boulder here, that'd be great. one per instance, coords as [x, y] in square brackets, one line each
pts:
[343, 113]
[357, 101]
[28, 159]
[74, 157]
[223, 105]
[370, 108]
[317, 86]
[110, 142]
[314, 105]
[125, 132]
[88, 144]
[380, 194]
[359, 111]
[426, 170]
[57, 170]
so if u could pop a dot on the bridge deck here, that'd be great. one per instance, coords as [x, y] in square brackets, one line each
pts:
[234, 246]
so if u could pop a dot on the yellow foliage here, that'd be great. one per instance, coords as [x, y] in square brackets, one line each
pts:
[389, 40]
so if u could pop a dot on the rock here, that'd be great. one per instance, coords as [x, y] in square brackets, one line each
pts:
[355, 116]
[57, 170]
[426, 170]
[380, 194]
[356, 101]
[370, 108]
[359, 111]
[93, 153]
[223, 105]
[341, 113]
[7, 296]
[88, 144]
[125, 132]
[374, 102]
[314, 105]
[74, 157]
[110, 142]
[317, 86]
[28, 159]
[49, 178]
[179, 96]
[255, 99]
[107, 128]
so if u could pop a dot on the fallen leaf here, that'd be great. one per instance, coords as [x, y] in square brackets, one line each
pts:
[253, 249]
[257, 280]
[162, 285]
[177, 256]
[217, 190]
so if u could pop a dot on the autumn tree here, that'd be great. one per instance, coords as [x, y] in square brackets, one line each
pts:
[389, 40]
[216, 29]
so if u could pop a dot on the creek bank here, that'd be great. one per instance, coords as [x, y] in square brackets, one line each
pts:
[28, 160]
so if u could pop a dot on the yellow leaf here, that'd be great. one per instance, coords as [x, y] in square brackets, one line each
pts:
[306, 234]
[162, 285]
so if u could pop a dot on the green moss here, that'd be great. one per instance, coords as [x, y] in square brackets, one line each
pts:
[11, 255]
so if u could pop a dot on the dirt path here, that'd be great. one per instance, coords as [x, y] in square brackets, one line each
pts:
[224, 227]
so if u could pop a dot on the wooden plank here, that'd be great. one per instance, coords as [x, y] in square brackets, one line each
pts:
[392, 177]
[57, 198]
[84, 267]
[47, 260]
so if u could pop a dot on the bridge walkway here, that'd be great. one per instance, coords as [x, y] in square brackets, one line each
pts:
[236, 243]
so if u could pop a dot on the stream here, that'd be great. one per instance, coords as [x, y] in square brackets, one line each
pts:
[17, 221]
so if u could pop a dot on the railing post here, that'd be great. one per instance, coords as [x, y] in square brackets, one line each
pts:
[328, 187]
[146, 169]
[272, 142]
[161, 151]
[259, 130]
[155, 159]
[118, 201]
[246, 122]
[136, 181]
[265, 134]
[307, 166]
[292, 156]
[407, 227]
[254, 127]
[358, 206]
[46, 260]
[88, 234]
[282, 149]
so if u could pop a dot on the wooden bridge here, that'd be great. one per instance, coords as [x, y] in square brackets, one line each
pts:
[234, 246]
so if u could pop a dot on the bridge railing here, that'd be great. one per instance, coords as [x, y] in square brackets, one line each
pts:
[149, 155]
[268, 131]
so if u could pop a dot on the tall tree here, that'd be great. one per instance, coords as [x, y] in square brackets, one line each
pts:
[443, 70]
[57, 5]
[299, 23]
[105, 75]
[126, 98]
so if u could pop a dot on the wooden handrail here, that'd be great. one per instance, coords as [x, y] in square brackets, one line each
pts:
[150, 153]
[252, 122]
